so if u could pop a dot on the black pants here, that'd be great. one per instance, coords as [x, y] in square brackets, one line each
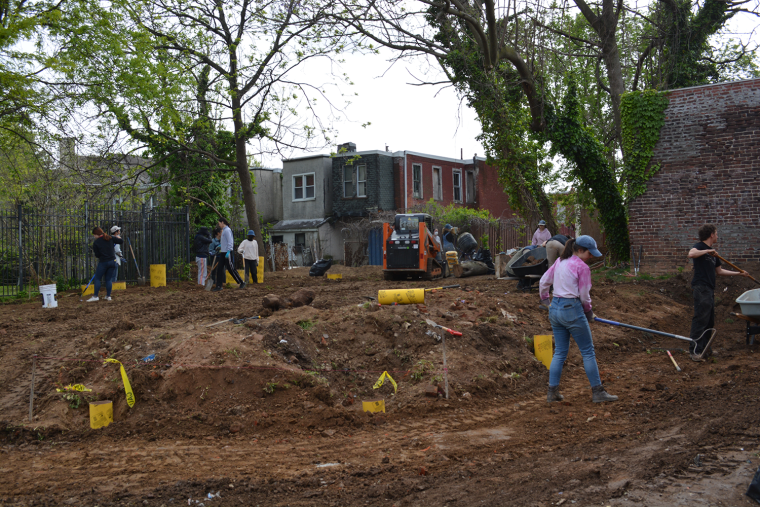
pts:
[704, 317]
[252, 266]
[225, 264]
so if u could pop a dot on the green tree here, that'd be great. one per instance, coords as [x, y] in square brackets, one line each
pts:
[144, 71]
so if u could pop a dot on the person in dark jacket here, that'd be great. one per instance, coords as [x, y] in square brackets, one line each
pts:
[103, 247]
[200, 246]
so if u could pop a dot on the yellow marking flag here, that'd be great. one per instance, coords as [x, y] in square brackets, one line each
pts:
[125, 379]
[381, 381]
[542, 344]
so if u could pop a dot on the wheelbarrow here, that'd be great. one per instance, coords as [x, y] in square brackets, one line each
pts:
[527, 275]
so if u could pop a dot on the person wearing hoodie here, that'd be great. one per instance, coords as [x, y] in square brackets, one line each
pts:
[249, 248]
[201, 244]
[116, 231]
[103, 248]
[224, 257]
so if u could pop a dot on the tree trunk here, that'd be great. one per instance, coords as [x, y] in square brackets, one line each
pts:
[244, 174]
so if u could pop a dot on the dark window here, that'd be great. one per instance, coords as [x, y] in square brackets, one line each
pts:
[457, 186]
[417, 180]
[300, 239]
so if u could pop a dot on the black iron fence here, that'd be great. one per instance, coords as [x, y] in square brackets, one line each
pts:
[44, 246]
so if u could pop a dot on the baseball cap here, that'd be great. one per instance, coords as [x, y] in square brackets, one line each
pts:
[115, 228]
[542, 222]
[589, 244]
[251, 233]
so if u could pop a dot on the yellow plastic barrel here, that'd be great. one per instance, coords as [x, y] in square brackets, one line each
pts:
[158, 275]
[373, 406]
[260, 270]
[101, 414]
[119, 286]
[90, 290]
[401, 296]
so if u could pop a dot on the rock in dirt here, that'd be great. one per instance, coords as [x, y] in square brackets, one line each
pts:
[328, 433]
[301, 297]
[274, 302]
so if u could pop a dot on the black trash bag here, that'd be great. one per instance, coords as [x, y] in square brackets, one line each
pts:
[466, 243]
[320, 267]
[754, 487]
[484, 256]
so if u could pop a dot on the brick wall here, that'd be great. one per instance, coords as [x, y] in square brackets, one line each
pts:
[380, 192]
[709, 149]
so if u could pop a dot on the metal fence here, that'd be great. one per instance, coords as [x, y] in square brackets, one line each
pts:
[42, 246]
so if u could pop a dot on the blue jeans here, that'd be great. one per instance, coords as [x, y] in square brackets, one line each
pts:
[115, 273]
[567, 318]
[104, 269]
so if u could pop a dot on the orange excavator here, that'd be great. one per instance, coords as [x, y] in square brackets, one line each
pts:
[410, 249]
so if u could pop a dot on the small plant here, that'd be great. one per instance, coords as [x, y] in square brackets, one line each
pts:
[73, 398]
[420, 369]
[182, 269]
[233, 352]
[305, 324]
[270, 387]
[204, 391]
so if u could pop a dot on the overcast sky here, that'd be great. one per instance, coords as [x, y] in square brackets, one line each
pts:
[427, 119]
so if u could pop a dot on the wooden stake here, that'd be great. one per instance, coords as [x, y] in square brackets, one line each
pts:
[31, 389]
[445, 369]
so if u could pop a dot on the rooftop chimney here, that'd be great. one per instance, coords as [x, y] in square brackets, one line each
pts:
[346, 148]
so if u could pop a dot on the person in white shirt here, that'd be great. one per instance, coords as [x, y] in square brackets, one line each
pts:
[249, 248]
[116, 231]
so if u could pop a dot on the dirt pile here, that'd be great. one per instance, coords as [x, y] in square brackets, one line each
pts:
[286, 392]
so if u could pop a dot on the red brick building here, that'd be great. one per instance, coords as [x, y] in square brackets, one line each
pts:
[709, 151]
[418, 177]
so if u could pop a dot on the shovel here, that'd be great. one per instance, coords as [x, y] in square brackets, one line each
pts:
[734, 266]
[444, 287]
[235, 321]
[140, 279]
[698, 356]
[209, 284]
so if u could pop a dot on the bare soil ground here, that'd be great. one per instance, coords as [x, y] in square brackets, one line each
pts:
[270, 412]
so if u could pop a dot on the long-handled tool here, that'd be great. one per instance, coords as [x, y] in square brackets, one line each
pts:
[88, 286]
[140, 279]
[234, 321]
[444, 287]
[698, 356]
[678, 368]
[208, 284]
[734, 266]
[443, 342]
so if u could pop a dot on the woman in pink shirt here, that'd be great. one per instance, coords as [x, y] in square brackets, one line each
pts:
[570, 314]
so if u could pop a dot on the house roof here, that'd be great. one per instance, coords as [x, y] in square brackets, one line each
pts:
[298, 225]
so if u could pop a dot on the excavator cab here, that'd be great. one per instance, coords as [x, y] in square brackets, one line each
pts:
[409, 248]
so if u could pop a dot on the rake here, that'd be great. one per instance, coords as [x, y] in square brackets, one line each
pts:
[669, 335]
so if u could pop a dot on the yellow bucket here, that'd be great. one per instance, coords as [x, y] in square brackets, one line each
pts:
[452, 259]
[401, 296]
[374, 406]
[158, 275]
[335, 276]
[542, 345]
[260, 270]
[89, 290]
[119, 286]
[101, 414]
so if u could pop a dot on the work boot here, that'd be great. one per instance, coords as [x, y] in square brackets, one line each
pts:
[553, 394]
[242, 286]
[599, 395]
[216, 289]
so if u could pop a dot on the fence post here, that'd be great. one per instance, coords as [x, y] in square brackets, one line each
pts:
[145, 240]
[85, 236]
[189, 257]
[20, 252]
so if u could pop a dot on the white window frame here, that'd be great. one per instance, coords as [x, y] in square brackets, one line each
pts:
[417, 191]
[359, 181]
[438, 191]
[344, 181]
[454, 186]
[313, 186]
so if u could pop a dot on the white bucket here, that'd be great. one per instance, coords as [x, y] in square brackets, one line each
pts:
[48, 296]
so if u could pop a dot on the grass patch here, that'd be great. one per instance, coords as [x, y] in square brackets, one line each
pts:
[305, 324]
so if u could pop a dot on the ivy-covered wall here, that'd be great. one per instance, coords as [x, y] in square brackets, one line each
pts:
[709, 158]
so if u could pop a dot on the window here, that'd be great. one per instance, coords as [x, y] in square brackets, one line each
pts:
[301, 239]
[417, 180]
[470, 187]
[303, 187]
[361, 181]
[348, 182]
[437, 194]
[355, 181]
[457, 185]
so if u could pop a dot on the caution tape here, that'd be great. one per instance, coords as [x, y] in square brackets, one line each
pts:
[125, 379]
[381, 381]
[74, 387]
